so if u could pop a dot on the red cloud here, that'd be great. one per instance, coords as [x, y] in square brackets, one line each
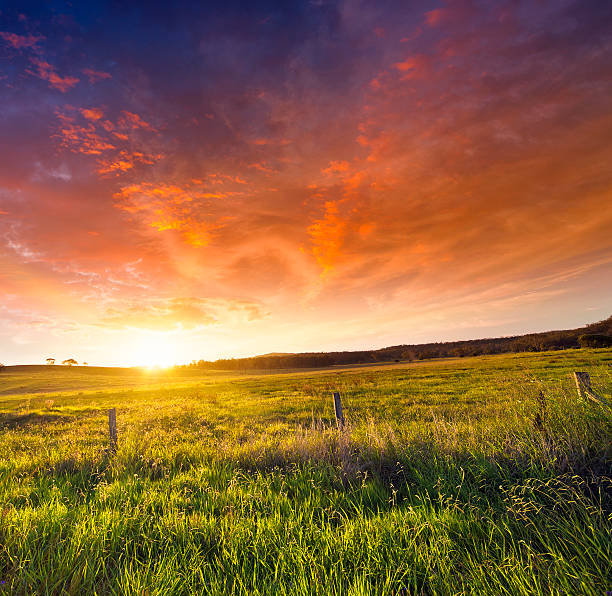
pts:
[20, 42]
[46, 71]
[435, 17]
[95, 75]
[131, 120]
[81, 138]
[96, 135]
[413, 67]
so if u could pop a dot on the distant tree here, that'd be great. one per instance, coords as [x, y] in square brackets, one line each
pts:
[69, 362]
[2, 366]
[85, 364]
[50, 361]
[595, 340]
[408, 355]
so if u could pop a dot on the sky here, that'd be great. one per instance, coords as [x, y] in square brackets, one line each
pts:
[186, 181]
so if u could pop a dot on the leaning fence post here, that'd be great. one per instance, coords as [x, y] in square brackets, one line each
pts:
[583, 384]
[112, 429]
[338, 410]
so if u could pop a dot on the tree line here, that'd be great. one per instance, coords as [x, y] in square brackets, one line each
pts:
[596, 335]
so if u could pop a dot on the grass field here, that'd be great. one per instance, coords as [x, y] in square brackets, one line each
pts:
[440, 484]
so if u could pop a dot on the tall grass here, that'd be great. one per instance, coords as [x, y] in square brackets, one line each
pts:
[441, 483]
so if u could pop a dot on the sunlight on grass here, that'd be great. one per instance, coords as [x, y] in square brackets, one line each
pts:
[441, 483]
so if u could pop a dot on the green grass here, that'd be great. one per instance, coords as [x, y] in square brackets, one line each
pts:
[441, 484]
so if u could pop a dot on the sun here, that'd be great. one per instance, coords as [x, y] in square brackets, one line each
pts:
[155, 352]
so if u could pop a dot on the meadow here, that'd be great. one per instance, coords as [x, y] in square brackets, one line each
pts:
[441, 482]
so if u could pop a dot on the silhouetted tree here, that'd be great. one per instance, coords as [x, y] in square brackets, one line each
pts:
[50, 361]
[69, 362]
[596, 334]
[595, 340]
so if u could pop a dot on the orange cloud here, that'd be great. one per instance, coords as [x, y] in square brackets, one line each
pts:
[94, 135]
[171, 207]
[125, 161]
[180, 313]
[81, 138]
[262, 168]
[336, 167]
[263, 141]
[216, 178]
[47, 72]
[160, 315]
[366, 229]
[92, 113]
[353, 182]
[132, 120]
[327, 235]
[172, 192]
[195, 233]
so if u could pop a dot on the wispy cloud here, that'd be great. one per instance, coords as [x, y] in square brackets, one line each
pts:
[47, 72]
[170, 207]
[183, 313]
[95, 76]
[116, 142]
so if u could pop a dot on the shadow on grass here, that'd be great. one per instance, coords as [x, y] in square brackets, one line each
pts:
[16, 421]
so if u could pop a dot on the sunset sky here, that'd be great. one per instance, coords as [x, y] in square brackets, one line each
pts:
[183, 181]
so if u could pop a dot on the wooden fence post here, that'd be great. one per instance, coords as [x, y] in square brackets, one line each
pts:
[112, 429]
[541, 413]
[338, 410]
[583, 384]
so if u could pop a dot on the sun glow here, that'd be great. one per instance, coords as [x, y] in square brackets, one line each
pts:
[156, 351]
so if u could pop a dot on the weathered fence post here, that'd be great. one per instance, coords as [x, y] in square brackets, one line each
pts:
[112, 429]
[338, 410]
[541, 413]
[583, 384]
